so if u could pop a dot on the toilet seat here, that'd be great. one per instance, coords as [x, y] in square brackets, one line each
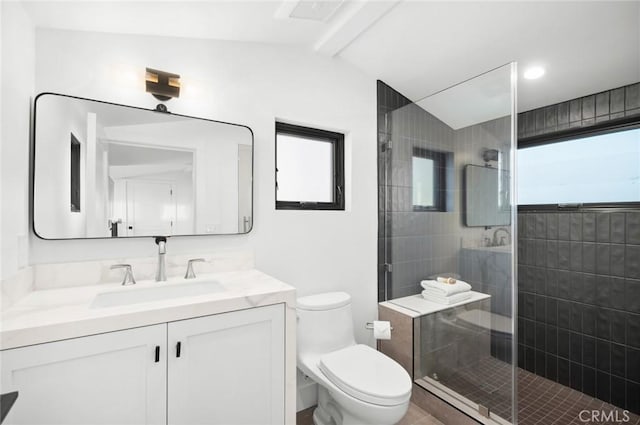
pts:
[366, 374]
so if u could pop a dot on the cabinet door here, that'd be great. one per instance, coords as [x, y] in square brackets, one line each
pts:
[110, 378]
[230, 369]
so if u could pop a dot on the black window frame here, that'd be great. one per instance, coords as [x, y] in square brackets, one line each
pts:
[439, 178]
[75, 183]
[337, 140]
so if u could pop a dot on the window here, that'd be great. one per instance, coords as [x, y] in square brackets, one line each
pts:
[428, 180]
[309, 168]
[598, 169]
[75, 174]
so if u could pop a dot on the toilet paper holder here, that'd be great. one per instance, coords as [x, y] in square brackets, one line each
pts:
[369, 325]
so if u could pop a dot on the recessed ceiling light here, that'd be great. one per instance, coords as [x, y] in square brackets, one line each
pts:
[534, 72]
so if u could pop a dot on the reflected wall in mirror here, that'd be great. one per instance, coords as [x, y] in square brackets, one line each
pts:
[137, 172]
[486, 196]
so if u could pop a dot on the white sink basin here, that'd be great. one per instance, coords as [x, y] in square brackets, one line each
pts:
[154, 292]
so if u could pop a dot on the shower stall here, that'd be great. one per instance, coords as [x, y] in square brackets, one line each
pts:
[562, 345]
[446, 209]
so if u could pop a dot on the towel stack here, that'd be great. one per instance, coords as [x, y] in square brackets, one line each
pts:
[445, 290]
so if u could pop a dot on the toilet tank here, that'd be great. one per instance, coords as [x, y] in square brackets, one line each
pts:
[325, 323]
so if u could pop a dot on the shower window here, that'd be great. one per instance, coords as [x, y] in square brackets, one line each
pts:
[603, 168]
[428, 180]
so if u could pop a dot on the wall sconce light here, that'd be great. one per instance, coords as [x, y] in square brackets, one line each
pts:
[162, 85]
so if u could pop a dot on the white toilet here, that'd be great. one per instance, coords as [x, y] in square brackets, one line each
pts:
[356, 384]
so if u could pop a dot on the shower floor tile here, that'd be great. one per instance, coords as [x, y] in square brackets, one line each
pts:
[540, 401]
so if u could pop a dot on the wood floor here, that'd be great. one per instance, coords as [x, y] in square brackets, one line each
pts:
[414, 416]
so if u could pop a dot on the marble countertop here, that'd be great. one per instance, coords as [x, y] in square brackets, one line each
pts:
[55, 314]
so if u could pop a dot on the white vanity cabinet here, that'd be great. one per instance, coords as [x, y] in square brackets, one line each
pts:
[230, 370]
[110, 378]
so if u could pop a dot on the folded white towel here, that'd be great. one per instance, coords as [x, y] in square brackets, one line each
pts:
[446, 289]
[451, 299]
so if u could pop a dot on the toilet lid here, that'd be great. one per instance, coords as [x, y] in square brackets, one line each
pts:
[367, 374]
[326, 301]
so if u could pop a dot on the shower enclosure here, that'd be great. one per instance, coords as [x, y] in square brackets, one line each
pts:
[446, 188]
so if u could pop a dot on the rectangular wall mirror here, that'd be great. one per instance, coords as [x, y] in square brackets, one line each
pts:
[131, 172]
[486, 196]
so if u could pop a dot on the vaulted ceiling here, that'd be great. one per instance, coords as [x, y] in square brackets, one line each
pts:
[417, 47]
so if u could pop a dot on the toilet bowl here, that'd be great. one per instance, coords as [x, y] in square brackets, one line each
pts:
[357, 384]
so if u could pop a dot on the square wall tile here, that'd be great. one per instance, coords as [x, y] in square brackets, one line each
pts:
[603, 386]
[575, 110]
[588, 107]
[552, 226]
[632, 295]
[633, 228]
[576, 227]
[589, 257]
[603, 355]
[603, 259]
[618, 360]
[602, 104]
[632, 96]
[603, 323]
[618, 228]
[616, 100]
[589, 227]
[603, 230]
[564, 226]
[632, 261]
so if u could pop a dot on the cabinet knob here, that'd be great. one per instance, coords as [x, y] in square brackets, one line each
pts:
[157, 354]
[178, 348]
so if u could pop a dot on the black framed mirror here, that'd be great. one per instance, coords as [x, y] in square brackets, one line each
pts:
[134, 172]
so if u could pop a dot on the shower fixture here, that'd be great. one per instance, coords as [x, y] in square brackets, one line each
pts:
[490, 155]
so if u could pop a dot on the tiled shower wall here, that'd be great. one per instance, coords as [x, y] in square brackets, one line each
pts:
[586, 111]
[388, 100]
[418, 243]
[422, 243]
[579, 301]
[579, 273]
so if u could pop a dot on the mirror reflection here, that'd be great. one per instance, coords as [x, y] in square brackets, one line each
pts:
[487, 197]
[105, 170]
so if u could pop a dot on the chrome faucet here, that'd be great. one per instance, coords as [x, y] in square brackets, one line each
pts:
[161, 271]
[128, 273]
[190, 274]
[495, 241]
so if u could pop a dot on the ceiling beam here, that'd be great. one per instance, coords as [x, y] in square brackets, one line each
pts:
[355, 18]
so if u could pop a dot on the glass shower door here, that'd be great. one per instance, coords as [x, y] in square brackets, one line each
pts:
[450, 211]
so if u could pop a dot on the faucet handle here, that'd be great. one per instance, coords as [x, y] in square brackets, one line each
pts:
[190, 274]
[128, 273]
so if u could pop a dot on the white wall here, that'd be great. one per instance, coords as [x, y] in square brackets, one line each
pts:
[18, 68]
[252, 84]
